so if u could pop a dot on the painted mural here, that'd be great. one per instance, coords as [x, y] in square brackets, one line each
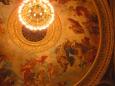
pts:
[60, 56]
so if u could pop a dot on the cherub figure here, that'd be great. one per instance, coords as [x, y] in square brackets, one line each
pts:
[61, 58]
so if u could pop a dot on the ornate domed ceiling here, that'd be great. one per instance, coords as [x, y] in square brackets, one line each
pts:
[73, 50]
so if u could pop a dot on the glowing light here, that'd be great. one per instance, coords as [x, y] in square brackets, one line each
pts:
[36, 14]
[40, 14]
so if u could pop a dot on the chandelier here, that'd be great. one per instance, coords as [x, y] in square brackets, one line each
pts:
[36, 14]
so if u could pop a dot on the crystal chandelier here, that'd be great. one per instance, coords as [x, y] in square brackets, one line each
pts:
[36, 14]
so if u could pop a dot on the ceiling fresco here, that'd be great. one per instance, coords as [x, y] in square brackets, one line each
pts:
[60, 55]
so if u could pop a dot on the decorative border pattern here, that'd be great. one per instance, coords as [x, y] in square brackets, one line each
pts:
[100, 65]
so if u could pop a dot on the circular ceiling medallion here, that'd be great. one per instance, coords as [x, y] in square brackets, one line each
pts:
[18, 34]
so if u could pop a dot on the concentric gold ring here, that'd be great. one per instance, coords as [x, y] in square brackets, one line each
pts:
[14, 28]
